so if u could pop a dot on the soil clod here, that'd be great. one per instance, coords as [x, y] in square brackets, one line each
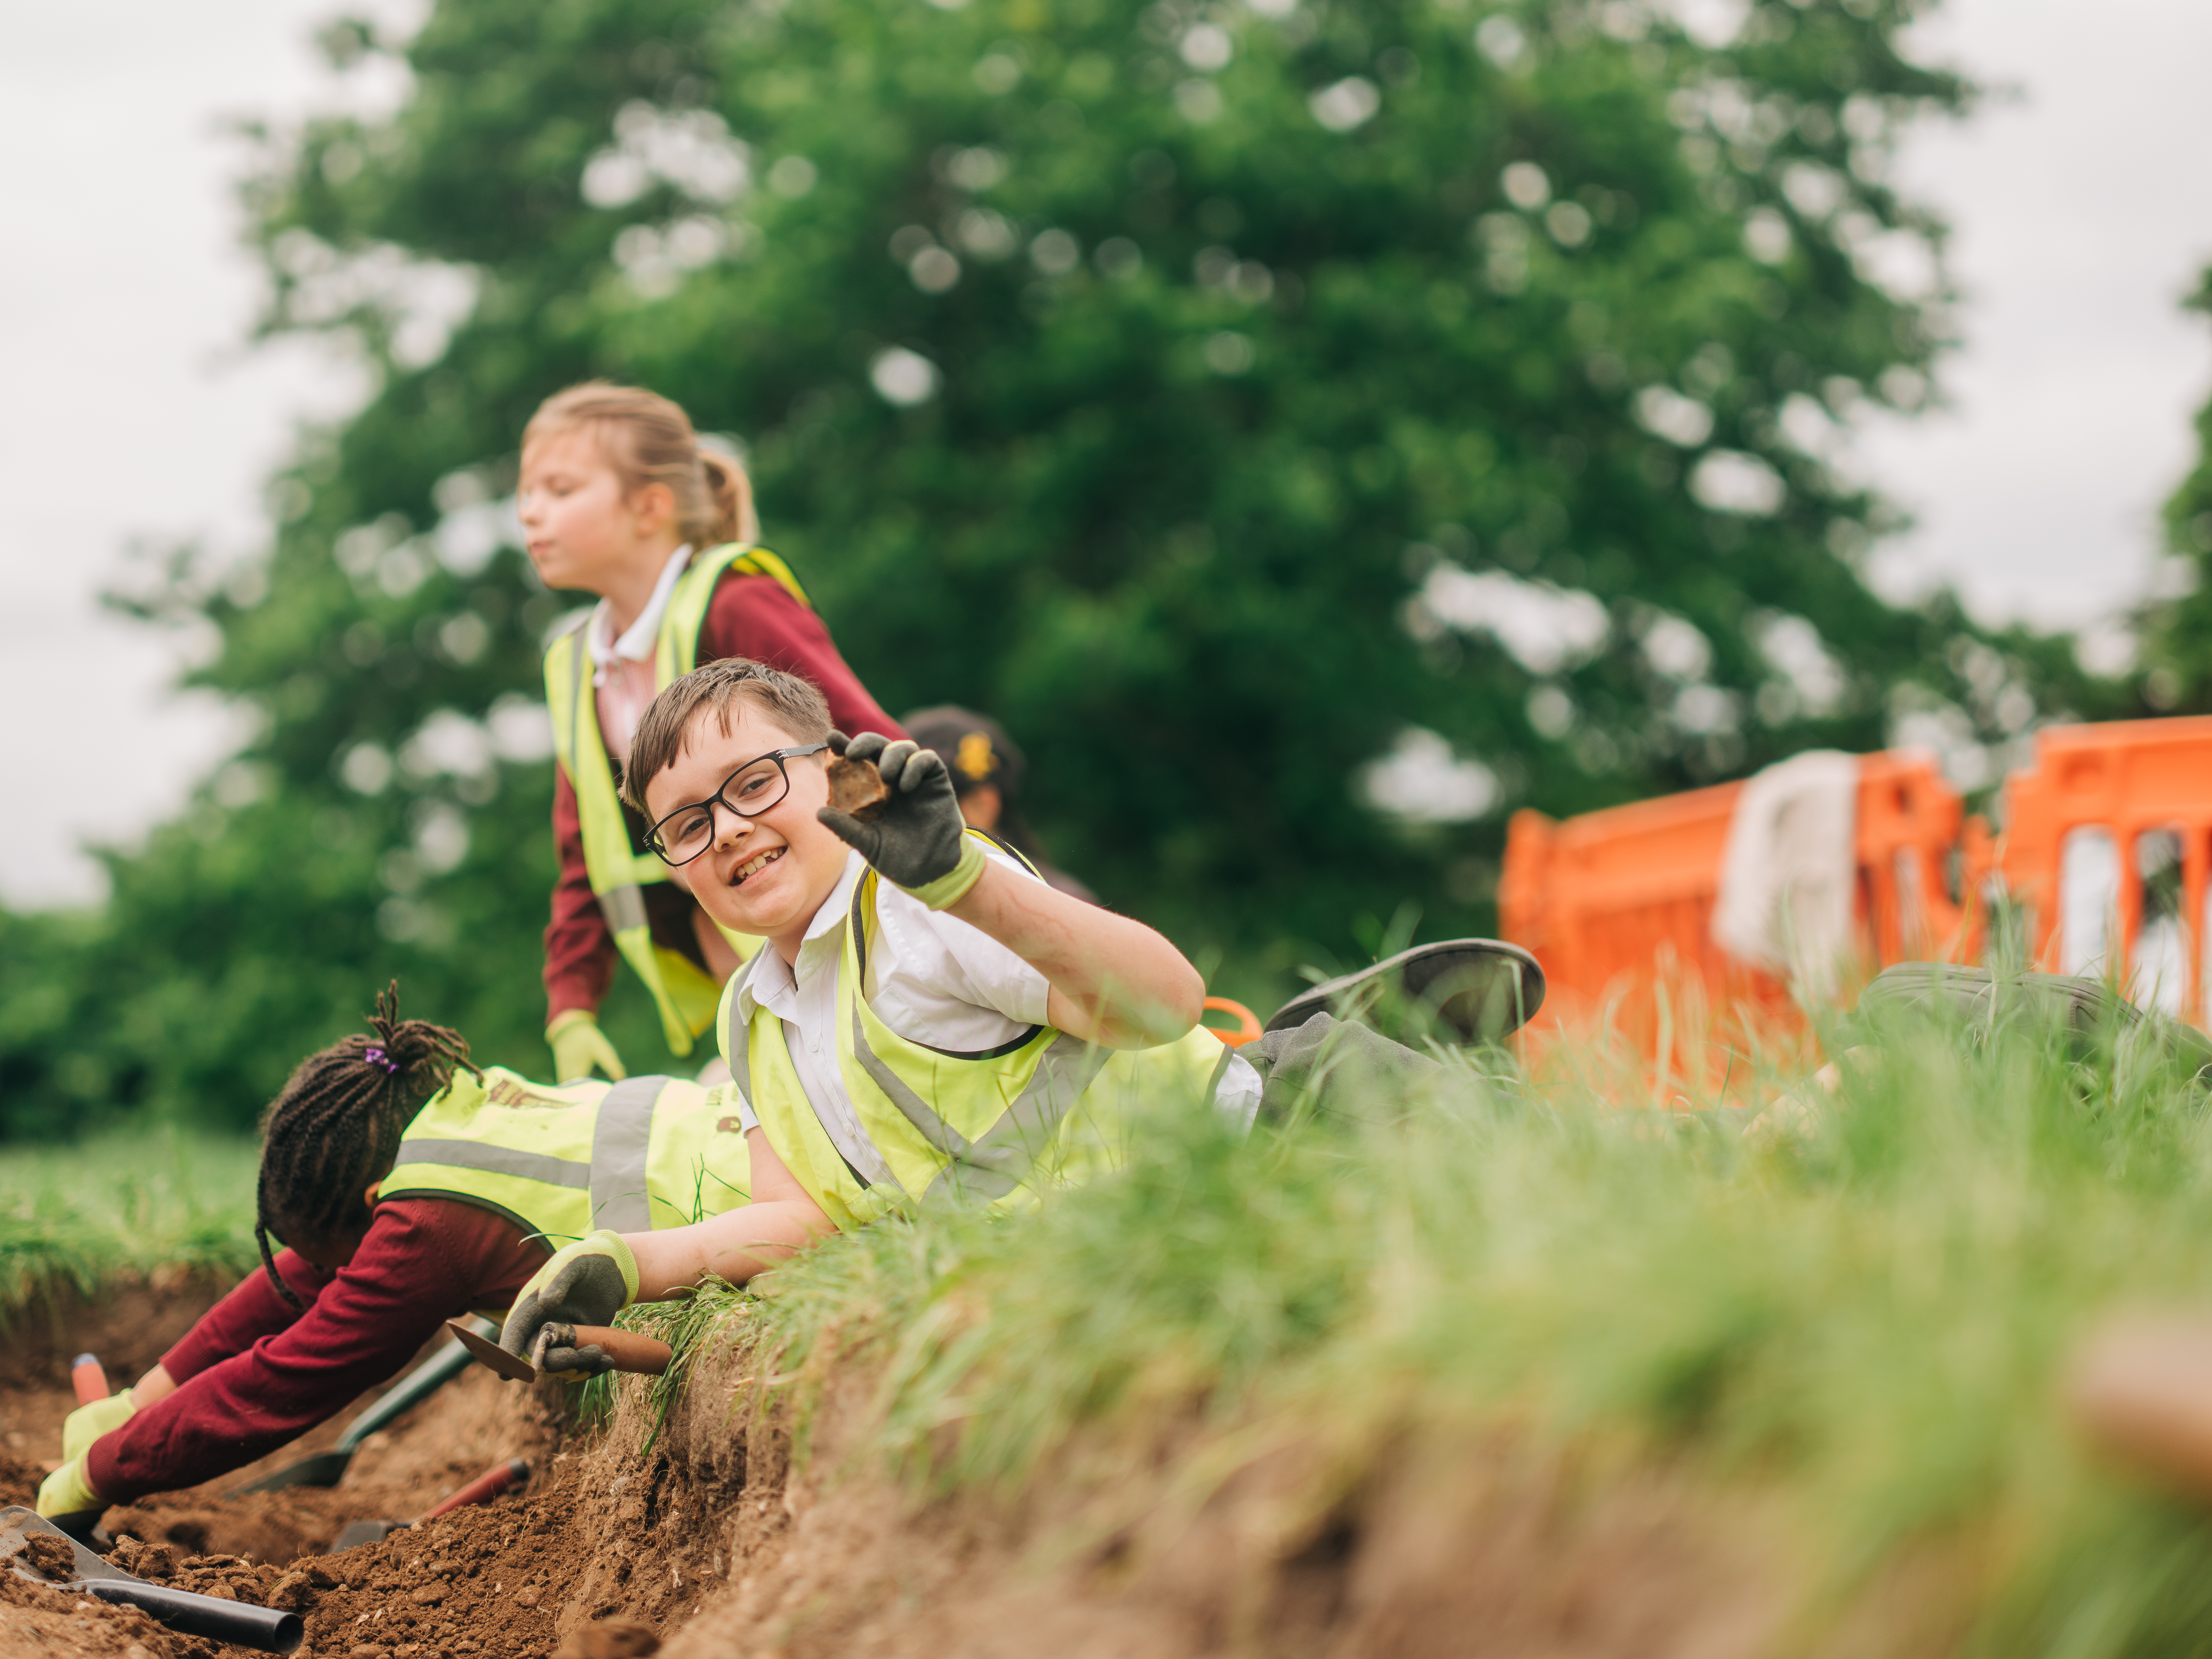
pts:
[48, 1556]
[609, 1639]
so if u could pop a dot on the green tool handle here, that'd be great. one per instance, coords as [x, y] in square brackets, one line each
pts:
[425, 1380]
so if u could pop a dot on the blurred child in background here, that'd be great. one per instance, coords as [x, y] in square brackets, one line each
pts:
[619, 499]
[988, 771]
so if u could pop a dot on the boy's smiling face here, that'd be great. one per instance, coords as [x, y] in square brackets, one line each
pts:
[769, 875]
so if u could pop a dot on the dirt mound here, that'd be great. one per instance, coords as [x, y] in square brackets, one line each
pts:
[19, 1479]
[472, 1423]
[502, 1582]
[610, 1544]
[49, 1623]
[601, 1554]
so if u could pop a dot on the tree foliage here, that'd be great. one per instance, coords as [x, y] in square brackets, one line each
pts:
[1313, 427]
[2176, 657]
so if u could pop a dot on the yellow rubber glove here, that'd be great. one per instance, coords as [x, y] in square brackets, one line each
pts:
[588, 1283]
[66, 1491]
[88, 1423]
[578, 1044]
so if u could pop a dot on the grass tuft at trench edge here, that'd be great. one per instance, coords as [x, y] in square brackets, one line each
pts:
[1861, 1314]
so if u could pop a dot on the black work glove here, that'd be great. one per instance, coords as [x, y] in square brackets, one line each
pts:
[586, 1283]
[556, 1351]
[920, 840]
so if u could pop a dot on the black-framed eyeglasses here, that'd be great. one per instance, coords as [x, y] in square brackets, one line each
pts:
[750, 791]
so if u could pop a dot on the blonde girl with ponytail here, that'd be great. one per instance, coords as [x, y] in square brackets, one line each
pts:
[620, 500]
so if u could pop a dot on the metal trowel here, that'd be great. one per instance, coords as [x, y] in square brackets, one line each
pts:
[625, 1350]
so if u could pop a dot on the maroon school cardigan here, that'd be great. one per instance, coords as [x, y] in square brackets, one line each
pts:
[256, 1372]
[751, 617]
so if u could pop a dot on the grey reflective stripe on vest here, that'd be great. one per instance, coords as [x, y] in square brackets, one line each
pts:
[993, 1166]
[622, 1136]
[624, 908]
[497, 1160]
[848, 1133]
[736, 1038]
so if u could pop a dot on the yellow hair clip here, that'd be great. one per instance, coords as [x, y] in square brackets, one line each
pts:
[973, 756]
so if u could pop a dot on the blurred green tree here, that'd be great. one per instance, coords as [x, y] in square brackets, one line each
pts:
[2175, 671]
[1315, 427]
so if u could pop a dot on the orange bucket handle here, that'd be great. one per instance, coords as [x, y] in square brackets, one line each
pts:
[1247, 1023]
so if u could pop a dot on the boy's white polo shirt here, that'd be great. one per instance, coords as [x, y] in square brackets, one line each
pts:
[932, 978]
[935, 980]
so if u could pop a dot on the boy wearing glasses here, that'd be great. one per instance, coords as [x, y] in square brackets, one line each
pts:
[926, 1017]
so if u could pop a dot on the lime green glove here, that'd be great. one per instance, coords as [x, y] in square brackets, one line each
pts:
[578, 1044]
[919, 840]
[67, 1495]
[88, 1423]
[588, 1283]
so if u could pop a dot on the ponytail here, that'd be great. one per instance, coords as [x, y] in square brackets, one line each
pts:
[732, 492]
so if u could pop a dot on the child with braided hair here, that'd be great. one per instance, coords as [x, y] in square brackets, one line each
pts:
[329, 1138]
[408, 1186]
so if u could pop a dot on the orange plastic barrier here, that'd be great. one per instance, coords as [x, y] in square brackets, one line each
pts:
[2143, 786]
[1612, 903]
[1247, 1023]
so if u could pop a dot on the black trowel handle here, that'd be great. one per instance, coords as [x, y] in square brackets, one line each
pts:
[266, 1628]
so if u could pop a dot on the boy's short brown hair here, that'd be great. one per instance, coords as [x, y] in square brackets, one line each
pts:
[792, 702]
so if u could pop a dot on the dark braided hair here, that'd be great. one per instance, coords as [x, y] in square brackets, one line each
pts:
[336, 1127]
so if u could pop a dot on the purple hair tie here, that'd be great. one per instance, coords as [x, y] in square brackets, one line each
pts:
[378, 1057]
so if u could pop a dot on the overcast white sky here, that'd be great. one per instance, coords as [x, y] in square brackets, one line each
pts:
[2083, 210]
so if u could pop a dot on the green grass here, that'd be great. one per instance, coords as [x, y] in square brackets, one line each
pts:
[1867, 1320]
[80, 1213]
[1864, 1324]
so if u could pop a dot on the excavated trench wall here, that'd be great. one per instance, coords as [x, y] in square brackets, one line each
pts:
[691, 1526]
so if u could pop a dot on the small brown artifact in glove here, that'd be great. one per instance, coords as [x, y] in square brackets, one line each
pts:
[857, 787]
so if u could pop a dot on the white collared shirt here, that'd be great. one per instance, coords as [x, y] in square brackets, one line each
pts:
[622, 669]
[933, 979]
[639, 639]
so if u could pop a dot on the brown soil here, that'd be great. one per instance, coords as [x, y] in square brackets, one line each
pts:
[38, 1621]
[606, 1546]
[695, 1530]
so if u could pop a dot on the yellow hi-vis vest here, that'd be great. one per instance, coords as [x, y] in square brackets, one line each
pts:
[1047, 1109]
[685, 996]
[653, 1152]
